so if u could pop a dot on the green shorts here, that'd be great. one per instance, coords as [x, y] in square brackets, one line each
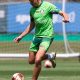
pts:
[40, 41]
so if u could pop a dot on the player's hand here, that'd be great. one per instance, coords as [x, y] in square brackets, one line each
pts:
[17, 39]
[66, 21]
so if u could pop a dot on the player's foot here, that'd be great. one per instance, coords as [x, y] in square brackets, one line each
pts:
[53, 56]
[53, 63]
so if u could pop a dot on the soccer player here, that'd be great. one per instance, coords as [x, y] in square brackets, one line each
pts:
[41, 19]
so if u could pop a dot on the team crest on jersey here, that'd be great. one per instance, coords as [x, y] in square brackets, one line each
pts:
[42, 11]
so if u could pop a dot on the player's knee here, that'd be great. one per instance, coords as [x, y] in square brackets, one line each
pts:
[31, 61]
[37, 61]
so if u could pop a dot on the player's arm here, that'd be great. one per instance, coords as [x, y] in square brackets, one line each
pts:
[26, 31]
[55, 10]
[65, 16]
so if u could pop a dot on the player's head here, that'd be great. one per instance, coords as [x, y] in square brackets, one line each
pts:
[35, 3]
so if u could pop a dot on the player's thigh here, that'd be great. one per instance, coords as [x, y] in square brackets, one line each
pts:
[35, 44]
[43, 48]
[45, 44]
[39, 55]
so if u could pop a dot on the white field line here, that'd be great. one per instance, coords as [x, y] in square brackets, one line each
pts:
[42, 77]
[23, 55]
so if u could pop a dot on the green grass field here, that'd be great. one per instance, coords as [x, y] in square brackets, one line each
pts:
[65, 70]
[23, 47]
[8, 46]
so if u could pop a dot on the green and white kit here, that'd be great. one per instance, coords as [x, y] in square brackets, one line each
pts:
[43, 24]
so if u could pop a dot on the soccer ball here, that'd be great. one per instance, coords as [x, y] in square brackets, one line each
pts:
[17, 76]
[47, 64]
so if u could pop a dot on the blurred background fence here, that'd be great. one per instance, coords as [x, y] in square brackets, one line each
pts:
[14, 18]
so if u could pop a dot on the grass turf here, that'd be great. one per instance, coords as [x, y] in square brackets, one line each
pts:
[23, 47]
[65, 70]
[8, 46]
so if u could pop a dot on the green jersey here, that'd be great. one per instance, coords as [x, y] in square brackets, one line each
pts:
[43, 19]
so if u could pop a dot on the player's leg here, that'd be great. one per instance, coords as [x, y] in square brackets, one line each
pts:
[37, 66]
[31, 59]
[41, 55]
[53, 59]
[46, 43]
[33, 49]
[41, 52]
[50, 56]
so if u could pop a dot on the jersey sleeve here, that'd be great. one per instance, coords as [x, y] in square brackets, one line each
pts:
[31, 17]
[54, 9]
